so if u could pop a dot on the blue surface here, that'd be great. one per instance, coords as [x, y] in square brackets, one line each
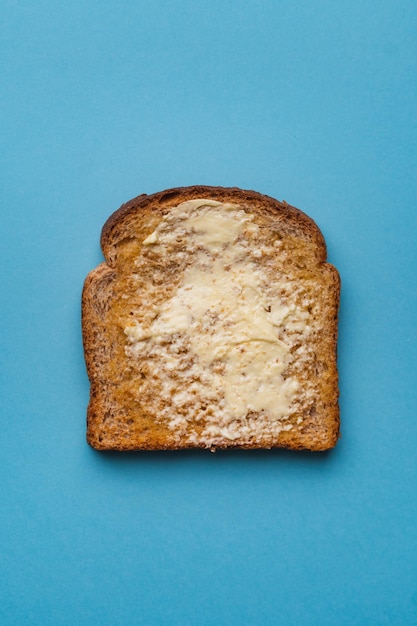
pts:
[312, 102]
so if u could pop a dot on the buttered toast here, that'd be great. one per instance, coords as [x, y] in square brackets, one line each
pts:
[212, 324]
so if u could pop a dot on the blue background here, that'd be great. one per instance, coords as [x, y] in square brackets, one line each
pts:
[314, 102]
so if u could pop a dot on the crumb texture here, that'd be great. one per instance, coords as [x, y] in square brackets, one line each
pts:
[212, 324]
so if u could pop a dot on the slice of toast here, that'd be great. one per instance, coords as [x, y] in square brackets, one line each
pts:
[212, 324]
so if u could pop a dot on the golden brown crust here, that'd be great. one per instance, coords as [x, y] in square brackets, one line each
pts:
[109, 421]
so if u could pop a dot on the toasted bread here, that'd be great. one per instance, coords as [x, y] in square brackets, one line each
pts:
[212, 324]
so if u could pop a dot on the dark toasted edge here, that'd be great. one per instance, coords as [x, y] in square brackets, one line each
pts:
[112, 231]
[334, 432]
[92, 307]
[95, 298]
[101, 446]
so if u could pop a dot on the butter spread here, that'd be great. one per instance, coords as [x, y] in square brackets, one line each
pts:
[217, 344]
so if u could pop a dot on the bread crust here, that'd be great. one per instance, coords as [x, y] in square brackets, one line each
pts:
[109, 427]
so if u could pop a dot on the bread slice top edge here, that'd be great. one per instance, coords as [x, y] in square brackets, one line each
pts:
[118, 224]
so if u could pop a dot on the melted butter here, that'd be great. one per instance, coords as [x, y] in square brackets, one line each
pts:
[224, 310]
[224, 316]
[205, 225]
